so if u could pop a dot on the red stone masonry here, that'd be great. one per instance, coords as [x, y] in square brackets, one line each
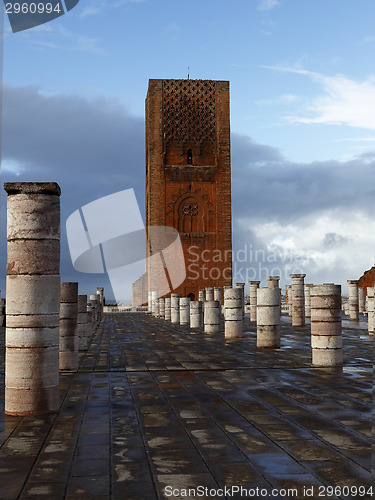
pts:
[188, 175]
[368, 279]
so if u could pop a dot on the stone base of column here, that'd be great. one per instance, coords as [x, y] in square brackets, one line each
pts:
[327, 357]
[268, 336]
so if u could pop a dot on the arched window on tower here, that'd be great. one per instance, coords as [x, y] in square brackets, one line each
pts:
[190, 157]
[189, 218]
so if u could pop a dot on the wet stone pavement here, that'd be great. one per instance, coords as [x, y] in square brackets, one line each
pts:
[156, 410]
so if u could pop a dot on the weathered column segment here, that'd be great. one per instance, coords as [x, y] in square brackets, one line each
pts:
[353, 300]
[175, 307]
[185, 311]
[167, 306]
[233, 313]
[33, 298]
[217, 293]
[254, 285]
[268, 317]
[308, 300]
[211, 316]
[241, 286]
[371, 309]
[209, 293]
[68, 357]
[326, 337]
[162, 308]
[298, 299]
[361, 299]
[196, 314]
[82, 322]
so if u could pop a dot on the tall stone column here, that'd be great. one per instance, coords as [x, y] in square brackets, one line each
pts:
[196, 314]
[298, 299]
[289, 300]
[209, 293]
[68, 358]
[202, 295]
[32, 298]
[308, 300]
[326, 337]
[211, 316]
[82, 322]
[154, 297]
[162, 308]
[217, 293]
[90, 320]
[353, 300]
[175, 308]
[100, 292]
[185, 311]
[149, 302]
[371, 309]
[268, 317]
[167, 306]
[94, 309]
[233, 313]
[361, 299]
[241, 286]
[254, 285]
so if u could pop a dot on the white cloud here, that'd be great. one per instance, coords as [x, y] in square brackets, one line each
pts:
[368, 39]
[90, 11]
[267, 4]
[344, 102]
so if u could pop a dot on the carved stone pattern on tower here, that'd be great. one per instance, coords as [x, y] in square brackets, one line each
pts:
[189, 111]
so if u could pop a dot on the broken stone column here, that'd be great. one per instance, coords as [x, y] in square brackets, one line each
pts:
[68, 358]
[94, 309]
[211, 316]
[268, 317]
[298, 299]
[185, 311]
[167, 309]
[290, 301]
[361, 299]
[254, 285]
[175, 308]
[326, 336]
[162, 308]
[196, 314]
[241, 286]
[308, 300]
[82, 322]
[217, 293]
[154, 297]
[32, 298]
[371, 309]
[353, 300]
[233, 313]
[209, 293]
[100, 292]
[202, 295]
[90, 327]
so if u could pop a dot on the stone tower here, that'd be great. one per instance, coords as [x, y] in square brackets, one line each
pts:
[188, 175]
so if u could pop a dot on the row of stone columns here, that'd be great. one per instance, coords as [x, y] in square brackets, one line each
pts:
[204, 314]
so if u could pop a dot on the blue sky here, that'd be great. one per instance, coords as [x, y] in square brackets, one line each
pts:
[302, 99]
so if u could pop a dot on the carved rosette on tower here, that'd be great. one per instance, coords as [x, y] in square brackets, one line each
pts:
[188, 177]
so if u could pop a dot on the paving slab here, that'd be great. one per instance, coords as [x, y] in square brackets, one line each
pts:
[158, 411]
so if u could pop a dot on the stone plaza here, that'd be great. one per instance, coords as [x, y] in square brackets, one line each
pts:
[157, 408]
